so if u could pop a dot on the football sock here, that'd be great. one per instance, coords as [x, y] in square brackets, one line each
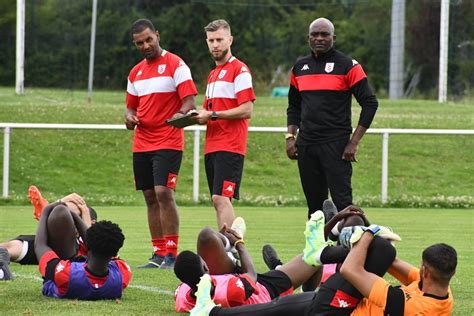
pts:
[172, 244]
[159, 246]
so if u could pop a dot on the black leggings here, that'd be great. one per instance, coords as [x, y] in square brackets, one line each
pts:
[379, 258]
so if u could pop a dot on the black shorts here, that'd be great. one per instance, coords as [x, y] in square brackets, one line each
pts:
[336, 296]
[224, 173]
[159, 167]
[276, 282]
[30, 256]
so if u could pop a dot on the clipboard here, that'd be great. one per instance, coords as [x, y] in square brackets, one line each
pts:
[183, 121]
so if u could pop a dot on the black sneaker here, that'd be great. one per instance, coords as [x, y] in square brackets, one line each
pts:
[329, 210]
[168, 262]
[154, 262]
[5, 273]
[270, 257]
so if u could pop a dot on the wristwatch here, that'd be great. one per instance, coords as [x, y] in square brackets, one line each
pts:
[289, 135]
[213, 116]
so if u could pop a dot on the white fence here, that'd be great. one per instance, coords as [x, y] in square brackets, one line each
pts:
[385, 132]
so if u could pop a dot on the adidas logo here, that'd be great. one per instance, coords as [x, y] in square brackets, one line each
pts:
[305, 67]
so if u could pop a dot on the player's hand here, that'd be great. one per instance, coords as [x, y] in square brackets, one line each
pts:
[291, 150]
[350, 152]
[350, 211]
[178, 115]
[231, 234]
[74, 198]
[131, 120]
[202, 117]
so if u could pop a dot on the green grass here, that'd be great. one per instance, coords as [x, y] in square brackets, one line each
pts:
[150, 291]
[434, 170]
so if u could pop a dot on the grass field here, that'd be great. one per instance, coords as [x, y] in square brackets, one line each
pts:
[151, 291]
[424, 171]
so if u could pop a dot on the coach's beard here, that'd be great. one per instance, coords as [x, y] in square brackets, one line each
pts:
[221, 56]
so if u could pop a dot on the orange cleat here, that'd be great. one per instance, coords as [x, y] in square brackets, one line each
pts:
[37, 200]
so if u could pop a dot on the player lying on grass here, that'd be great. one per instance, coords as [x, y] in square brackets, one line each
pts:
[22, 250]
[99, 276]
[247, 287]
[358, 289]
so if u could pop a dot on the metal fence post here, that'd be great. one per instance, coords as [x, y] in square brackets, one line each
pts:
[384, 195]
[6, 160]
[196, 166]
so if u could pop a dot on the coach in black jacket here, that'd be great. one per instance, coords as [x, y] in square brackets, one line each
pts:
[319, 112]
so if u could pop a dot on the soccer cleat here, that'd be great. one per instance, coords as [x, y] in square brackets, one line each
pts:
[204, 303]
[315, 241]
[154, 262]
[270, 257]
[37, 200]
[168, 262]
[5, 273]
[329, 209]
[239, 226]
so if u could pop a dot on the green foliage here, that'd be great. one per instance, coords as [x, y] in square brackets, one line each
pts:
[268, 35]
[150, 292]
[433, 170]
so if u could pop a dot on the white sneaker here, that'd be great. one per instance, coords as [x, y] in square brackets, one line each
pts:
[239, 226]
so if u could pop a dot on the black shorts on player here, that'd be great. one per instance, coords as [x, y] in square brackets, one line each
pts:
[224, 173]
[27, 255]
[158, 167]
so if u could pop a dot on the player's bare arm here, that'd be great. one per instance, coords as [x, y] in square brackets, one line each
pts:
[400, 270]
[353, 267]
[350, 151]
[189, 103]
[247, 264]
[243, 111]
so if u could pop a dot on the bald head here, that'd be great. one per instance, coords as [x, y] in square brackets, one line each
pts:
[321, 36]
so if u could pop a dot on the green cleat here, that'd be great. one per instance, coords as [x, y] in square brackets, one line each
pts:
[204, 303]
[315, 241]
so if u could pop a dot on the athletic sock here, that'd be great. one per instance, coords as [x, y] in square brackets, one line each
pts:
[159, 246]
[172, 244]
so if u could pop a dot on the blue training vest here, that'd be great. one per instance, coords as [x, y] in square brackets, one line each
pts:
[79, 286]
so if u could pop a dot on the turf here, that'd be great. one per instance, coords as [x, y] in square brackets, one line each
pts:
[151, 291]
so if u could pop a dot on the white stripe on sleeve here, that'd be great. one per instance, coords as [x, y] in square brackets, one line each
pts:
[242, 82]
[182, 74]
[131, 89]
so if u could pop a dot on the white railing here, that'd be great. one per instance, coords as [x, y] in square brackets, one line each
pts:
[385, 132]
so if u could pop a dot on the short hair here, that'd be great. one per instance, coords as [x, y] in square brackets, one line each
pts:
[327, 21]
[140, 25]
[92, 212]
[443, 258]
[217, 25]
[188, 268]
[104, 239]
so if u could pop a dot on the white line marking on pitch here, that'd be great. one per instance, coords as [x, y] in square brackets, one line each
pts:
[133, 286]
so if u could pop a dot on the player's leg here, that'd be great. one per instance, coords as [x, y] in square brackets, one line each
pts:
[166, 165]
[338, 173]
[298, 271]
[21, 249]
[143, 173]
[211, 248]
[62, 233]
[337, 294]
[312, 178]
[226, 170]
